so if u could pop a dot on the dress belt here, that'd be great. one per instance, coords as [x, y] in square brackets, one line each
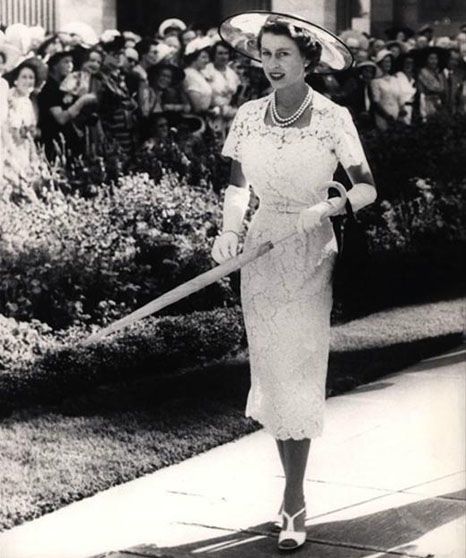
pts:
[283, 207]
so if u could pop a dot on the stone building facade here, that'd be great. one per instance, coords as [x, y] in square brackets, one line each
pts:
[144, 16]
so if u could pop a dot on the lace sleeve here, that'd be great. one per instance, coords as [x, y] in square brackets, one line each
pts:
[347, 144]
[232, 145]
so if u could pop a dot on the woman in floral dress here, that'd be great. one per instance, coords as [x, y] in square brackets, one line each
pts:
[21, 158]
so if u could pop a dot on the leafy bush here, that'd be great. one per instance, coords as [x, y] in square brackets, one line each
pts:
[156, 346]
[69, 259]
[433, 150]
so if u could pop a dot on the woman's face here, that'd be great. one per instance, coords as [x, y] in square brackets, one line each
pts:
[25, 82]
[378, 45]
[164, 78]
[202, 60]
[386, 64]
[408, 65]
[282, 60]
[65, 66]
[94, 63]
[432, 61]
[222, 56]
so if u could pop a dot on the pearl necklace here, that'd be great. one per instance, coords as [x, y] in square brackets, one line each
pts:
[279, 121]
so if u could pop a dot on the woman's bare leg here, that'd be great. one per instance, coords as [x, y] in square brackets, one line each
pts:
[296, 453]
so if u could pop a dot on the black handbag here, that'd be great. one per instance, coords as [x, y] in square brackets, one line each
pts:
[351, 268]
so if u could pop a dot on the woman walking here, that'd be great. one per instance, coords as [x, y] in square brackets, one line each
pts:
[287, 146]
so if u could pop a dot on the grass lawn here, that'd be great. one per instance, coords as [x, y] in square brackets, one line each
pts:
[51, 456]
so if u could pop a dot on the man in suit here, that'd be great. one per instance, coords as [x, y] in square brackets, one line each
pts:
[454, 74]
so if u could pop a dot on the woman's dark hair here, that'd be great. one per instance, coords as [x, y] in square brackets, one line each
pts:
[14, 74]
[308, 46]
[188, 59]
[213, 49]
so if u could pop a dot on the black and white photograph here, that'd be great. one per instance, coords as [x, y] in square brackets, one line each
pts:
[232, 278]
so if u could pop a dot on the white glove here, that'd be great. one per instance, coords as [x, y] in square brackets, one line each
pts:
[311, 217]
[225, 247]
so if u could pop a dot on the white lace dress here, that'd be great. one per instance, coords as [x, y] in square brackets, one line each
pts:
[287, 294]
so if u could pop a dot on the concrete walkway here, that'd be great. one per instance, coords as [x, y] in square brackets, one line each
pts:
[386, 479]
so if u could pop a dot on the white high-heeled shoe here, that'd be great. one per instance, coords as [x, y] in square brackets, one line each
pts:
[289, 539]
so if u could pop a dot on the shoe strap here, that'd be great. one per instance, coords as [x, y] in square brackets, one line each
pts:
[291, 518]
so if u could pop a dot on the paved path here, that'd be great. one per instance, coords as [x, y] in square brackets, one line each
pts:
[386, 479]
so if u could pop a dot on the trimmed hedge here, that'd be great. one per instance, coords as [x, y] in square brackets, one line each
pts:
[155, 347]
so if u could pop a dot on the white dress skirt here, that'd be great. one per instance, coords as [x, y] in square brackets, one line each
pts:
[286, 295]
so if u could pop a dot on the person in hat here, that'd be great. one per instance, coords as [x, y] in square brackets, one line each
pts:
[455, 77]
[385, 95]
[287, 145]
[195, 84]
[58, 109]
[21, 158]
[224, 82]
[150, 53]
[118, 109]
[431, 81]
[166, 93]
[406, 78]
[82, 82]
[171, 26]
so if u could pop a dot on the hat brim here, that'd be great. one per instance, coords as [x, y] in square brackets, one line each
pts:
[241, 31]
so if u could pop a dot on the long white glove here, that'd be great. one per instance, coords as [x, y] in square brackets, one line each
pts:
[235, 206]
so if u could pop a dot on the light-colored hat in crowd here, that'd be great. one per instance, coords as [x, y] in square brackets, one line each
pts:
[382, 54]
[13, 56]
[197, 44]
[108, 35]
[132, 36]
[369, 64]
[353, 35]
[84, 31]
[171, 22]
[19, 36]
[163, 52]
[241, 32]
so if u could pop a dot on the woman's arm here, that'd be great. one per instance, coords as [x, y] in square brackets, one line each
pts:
[235, 206]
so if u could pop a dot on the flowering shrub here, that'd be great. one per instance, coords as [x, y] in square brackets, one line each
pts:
[22, 342]
[434, 214]
[66, 258]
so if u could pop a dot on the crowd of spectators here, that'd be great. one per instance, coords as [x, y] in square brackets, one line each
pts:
[73, 92]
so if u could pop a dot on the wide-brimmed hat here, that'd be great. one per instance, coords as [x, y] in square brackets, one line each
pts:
[382, 54]
[171, 22]
[197, 44]
[368, 64]
[241, 32]
[115, 45]
[84, 31]
[12, 55]
[57, 56]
